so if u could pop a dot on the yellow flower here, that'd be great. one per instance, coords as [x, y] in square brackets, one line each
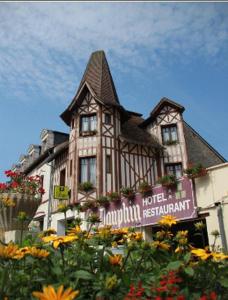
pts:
[39, 253]
[21, 253]
[137, 236]
[58, 240]
[75, 230]
[119, 231]
[162, 234]
[168, 221]
[204, 254]
[219, 256]
[47, 232]
[182, 234]
[49, 293]
[183, 241]
[201, 253]
[8, 251]
[199, 226]
[104, 232]
[179, 250]
[160, 245]
[115, 260]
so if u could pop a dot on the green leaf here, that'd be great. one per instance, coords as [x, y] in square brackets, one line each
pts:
[187, 257]
[189, 271]
[174, 265]
[82, 274]
[224, 282]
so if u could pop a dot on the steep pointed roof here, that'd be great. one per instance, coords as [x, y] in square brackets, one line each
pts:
[98, 77]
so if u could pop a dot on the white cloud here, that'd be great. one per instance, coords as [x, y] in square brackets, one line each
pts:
[42, 45]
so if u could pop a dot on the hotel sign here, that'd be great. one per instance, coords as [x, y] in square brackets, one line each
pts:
[143, 211]
[61, 192]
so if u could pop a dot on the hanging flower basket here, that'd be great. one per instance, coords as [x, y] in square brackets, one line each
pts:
[11, 204]
[19, 200]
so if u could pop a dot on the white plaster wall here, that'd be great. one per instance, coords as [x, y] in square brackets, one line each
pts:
[209, 190]
[44, 170]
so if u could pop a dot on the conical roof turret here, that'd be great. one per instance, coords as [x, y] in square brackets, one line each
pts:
[98, 77]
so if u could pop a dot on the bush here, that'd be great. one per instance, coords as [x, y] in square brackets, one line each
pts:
[105, 263]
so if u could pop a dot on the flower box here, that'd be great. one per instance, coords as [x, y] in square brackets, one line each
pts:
[168, 181]
[195, 171]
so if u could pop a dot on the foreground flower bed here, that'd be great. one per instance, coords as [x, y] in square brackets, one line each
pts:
[105, 263]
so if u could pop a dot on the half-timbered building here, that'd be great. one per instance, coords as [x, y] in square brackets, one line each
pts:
[113, 147]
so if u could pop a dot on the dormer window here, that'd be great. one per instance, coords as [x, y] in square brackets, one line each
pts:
[88, 125]
[169, 134]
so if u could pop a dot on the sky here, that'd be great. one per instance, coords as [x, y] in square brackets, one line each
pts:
[154, 50]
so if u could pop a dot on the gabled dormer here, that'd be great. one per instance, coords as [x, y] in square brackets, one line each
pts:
[33, 152]
[52, 138]
[166, 123]
[24, 161]
[47, 140]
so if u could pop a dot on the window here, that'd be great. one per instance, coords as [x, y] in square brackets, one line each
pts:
[88, 170]
[169, 134]
[88, 123]
[108, 119]
[108, 164]
[62, 177]
[174, 169]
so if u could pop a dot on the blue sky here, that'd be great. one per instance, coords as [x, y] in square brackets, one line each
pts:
[176, 50]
